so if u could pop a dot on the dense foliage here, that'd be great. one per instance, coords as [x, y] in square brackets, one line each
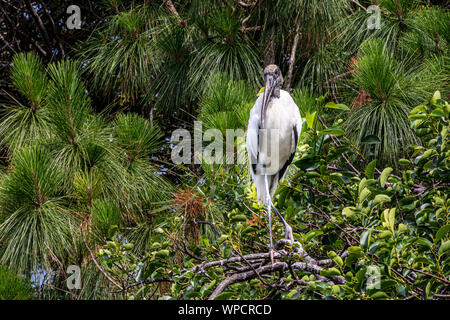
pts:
[87, 177]
[14, 287]
[392, 226]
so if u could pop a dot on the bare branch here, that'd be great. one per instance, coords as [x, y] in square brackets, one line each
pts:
[276, 267]
[358, 4]
[96, 263]
[287, 84]
[246, 5]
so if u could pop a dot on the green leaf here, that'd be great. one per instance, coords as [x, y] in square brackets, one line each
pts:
[379, 295]
[207, 286]
[310, 118]
[370, 139]
[162, 253]
[392, 219]
[330, 272]
[380, 198]
[364, 241]
[354, 249]
[338, 260]
[204, 241]
[307, 164]
[436, 96]
[333, 105]
[427, 154]
[442, 232]
[260, 91]
[402, 228]
[363, 195]
[349, 211]
[370, 169]
[312, 234]
[427, 289]
[224, 296]
[239, 217]
[373, 247]
[128, 246]
[361, 185]
[290, 295]
[335, 289]
[438, 112]
[227, 250]
[337, 131]
[222, 238]
[384, 234]
[417, 117]
[421, 108]
[424, 242]
[444, 247]
[331, 254]
[384, 176]
[321, 98]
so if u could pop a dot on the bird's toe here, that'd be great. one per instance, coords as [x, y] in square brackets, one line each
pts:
[288, 234]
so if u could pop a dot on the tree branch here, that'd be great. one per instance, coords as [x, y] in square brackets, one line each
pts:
[310, 265]
[276, 267]
[292, 56]
[96, 263]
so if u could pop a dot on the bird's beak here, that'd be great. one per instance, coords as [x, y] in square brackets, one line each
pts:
[268, 89]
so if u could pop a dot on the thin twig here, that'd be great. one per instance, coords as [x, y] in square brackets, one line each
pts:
[95, 261]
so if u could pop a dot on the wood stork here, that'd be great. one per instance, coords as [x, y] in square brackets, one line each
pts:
[273, 132]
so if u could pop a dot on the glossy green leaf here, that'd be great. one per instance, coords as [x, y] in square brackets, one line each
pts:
[442, 232]
[312, 234]
[339, 106]
[444, 247]
[337, 131]
[384, 176]
[370, 139]
[370, 169]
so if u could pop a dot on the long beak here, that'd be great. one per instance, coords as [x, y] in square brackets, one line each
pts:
[268, 89]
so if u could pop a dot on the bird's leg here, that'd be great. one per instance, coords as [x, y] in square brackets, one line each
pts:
[287, 228]
[270, 234]
[269, 213]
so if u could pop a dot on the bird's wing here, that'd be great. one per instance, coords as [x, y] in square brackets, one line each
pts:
[295, 138]
[296, 125]
[252, 132]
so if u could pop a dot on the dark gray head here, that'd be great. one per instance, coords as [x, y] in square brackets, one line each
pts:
[272, 85]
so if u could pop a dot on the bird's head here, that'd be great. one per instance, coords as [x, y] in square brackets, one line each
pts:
[272, 85]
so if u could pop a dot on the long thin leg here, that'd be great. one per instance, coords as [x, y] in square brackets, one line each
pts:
[278, 214]
[271, 250]
[268, 207]
[287, 228]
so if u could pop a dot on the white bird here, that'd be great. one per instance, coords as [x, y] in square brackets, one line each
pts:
[273, 132]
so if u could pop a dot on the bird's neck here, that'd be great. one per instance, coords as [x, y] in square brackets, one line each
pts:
[274, 96]
[276, 93]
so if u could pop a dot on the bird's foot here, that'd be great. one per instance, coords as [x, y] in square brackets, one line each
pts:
[271, 252]
[288, 234]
